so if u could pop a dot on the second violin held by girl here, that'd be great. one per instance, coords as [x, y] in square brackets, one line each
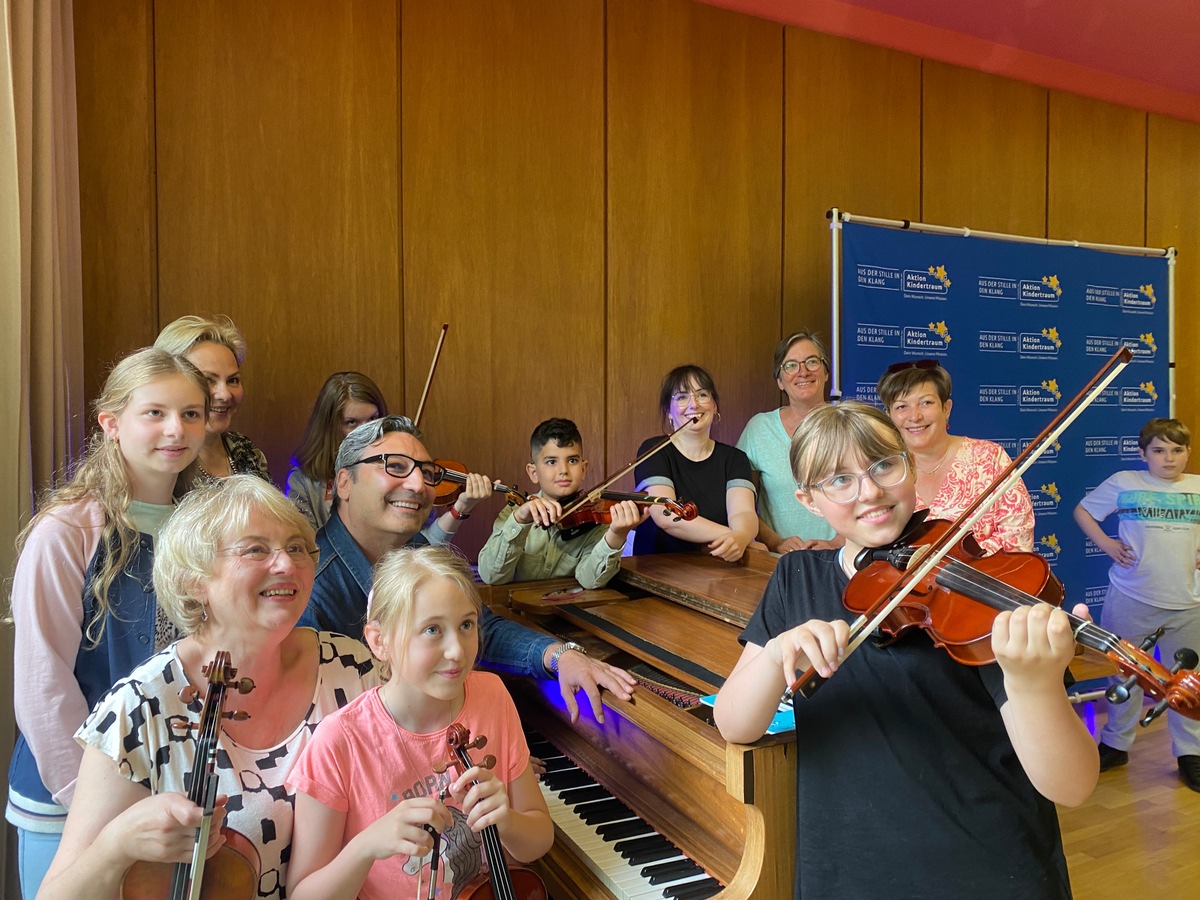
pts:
[942, 776]
[368, 792]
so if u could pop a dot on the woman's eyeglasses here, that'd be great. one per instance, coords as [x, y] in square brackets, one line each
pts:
[399, 465]
[297, 551]
[846, 486]
[913, 364]
[681, 398]
[811, 363]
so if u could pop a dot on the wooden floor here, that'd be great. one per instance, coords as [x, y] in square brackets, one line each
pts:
[1138, 834]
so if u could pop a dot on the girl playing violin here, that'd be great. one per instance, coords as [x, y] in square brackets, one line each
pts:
[366, 785]
[346, 400]
[917, 776]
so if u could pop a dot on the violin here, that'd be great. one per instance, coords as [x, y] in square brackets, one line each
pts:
[454, 480]
[501, 882]
[957, 603]
[233, 871]
[599, 511]
[974, 589]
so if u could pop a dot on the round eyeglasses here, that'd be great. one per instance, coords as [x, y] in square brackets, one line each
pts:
[400, 465]
[811, 363]
[846, 486]
[681, 398]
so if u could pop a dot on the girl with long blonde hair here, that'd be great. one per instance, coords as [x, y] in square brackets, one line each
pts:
[82, 600]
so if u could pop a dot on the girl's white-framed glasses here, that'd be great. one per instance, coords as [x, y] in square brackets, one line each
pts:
[845, 487]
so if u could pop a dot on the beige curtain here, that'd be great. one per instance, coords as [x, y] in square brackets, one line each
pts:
[42, 421]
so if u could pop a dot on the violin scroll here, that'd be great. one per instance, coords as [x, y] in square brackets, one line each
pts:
[1177, 688]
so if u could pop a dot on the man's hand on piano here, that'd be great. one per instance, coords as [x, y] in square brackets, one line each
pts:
[577, 671]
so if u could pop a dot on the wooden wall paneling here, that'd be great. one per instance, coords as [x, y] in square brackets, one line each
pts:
[853, 140]
[503, 226]
[983, 151]
[695, 193]
[1096, 181]
[114, 84]
[1173, 220]
[278, 193]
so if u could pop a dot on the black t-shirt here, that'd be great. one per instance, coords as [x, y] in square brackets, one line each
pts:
[703, 483]
[907, 783]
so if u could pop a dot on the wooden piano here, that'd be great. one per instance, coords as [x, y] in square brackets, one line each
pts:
[728, 809]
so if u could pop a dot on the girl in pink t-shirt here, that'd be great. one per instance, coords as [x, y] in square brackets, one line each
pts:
[368, 796]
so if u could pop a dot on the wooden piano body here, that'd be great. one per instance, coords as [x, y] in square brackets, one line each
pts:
[730, 808]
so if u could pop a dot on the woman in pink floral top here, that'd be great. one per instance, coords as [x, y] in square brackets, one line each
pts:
[952, 470]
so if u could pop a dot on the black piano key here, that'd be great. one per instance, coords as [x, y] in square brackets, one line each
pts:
[634, 844]
[693, 890]
[557, 781]
[574, 796]
[557, 763]
[671, 871]
[641, 857]
[640, 844]
[615, 831]
[604, 811]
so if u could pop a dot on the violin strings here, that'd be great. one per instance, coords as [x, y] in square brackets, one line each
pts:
[1001, 596]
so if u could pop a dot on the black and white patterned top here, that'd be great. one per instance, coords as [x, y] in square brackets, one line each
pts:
[132, 724]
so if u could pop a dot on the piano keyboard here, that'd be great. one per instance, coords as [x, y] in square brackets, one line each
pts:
[624, 852]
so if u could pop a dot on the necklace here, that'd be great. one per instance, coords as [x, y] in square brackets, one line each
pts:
[938, 466]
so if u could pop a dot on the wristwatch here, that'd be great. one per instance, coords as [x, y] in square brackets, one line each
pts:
[561, 649]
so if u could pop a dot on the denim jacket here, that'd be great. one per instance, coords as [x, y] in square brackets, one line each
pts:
[339, 603]
[127, 640]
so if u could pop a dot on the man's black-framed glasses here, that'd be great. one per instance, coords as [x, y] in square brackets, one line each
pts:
[400, 465]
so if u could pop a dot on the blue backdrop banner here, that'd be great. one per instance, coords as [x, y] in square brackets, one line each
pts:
[1021, 327]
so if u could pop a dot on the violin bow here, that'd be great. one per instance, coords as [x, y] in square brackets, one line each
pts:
[808, 683]
[437, 352]
[594, 494]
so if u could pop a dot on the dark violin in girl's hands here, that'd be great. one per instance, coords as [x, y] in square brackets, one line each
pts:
[501, 882]
[454, 482]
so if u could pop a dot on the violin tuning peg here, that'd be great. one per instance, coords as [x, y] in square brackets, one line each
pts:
[244, 685]
[237, 715]
[480, 742]
[188, 694]
[440, 767]
[1119, 693]
[183, 726]
[1151, 639]
[1155, 711]
[1185, 658]
[488, 762]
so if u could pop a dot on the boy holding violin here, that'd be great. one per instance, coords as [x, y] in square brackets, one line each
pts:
[1153, 582]
[517, 551]
[917, 776]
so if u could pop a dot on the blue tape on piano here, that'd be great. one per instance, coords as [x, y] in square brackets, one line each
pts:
[785, 718]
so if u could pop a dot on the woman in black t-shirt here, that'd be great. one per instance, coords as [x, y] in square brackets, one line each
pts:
[694, 467]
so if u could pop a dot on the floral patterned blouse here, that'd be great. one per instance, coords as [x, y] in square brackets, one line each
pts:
[1008, 525]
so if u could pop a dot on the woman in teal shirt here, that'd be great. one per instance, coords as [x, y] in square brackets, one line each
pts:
[802, 372]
